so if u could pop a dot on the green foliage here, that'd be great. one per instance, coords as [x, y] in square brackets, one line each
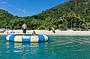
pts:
[76, 29]
[60, 27]
[41, 27]
[64, 16]
[54, 26]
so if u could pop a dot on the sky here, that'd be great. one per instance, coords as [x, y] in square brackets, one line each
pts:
[23, 8]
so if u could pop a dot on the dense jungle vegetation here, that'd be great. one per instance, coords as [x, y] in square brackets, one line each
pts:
[74, 14]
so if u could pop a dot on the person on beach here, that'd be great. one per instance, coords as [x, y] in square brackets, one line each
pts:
[34, 33]
[24, 27]
[51, 28]
[12, 29]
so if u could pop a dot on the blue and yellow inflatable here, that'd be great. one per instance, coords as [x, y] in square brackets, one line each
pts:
[28, 38]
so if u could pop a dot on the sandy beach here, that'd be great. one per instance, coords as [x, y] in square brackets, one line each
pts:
[46, 32]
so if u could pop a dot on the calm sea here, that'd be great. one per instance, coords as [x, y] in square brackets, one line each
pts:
[59, 47]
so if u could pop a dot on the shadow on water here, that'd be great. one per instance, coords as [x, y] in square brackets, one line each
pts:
[59, 47]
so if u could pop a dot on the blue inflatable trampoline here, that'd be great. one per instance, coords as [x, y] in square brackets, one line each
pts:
[28, 38]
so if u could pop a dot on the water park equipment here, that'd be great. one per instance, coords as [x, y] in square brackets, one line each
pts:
[27, 38]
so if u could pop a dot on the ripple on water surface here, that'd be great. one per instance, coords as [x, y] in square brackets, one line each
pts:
[59, 47]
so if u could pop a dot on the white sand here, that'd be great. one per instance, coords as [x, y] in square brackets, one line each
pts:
[57, 32]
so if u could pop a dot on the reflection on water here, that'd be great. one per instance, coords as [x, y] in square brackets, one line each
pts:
[31, 48]
[60, 47]
[24, 49]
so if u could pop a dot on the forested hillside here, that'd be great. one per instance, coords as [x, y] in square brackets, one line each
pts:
[74, 14]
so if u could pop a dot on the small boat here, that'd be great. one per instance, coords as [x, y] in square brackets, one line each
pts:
[27, 38]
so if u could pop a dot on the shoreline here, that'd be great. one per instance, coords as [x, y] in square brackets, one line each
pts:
[46, 32]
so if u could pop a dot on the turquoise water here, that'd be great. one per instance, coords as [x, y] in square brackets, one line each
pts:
[59, 47]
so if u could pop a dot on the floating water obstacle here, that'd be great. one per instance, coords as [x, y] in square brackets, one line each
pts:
[27, 38]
